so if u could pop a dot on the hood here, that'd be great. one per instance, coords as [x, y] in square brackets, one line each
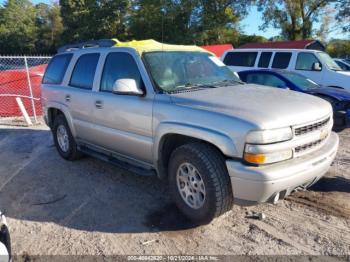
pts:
[337, 93]
[262, 106]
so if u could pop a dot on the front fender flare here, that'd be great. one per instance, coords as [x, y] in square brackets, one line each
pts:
[223, 142]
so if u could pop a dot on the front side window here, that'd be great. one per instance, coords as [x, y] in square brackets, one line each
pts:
[281, 60]
[119, 66]
[175, 71]
[56, 69]
[84, 71]
[264, 60]
[246, 59]
[305, 61]
[265, 79]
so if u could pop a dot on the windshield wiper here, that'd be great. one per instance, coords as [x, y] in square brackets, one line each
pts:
[190, 87]
[227, 81]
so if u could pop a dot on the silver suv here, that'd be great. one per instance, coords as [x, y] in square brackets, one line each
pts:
[179, 113]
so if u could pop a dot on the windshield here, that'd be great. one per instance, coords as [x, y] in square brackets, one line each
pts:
[301, 81]
[176, 71]
[325, 58]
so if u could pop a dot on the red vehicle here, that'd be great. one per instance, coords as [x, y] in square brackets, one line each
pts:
[14, 83]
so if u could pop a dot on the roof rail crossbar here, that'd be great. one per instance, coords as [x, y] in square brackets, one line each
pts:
[87, 44]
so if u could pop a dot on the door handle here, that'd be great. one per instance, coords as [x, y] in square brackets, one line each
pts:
[67, 98]
[98, 104]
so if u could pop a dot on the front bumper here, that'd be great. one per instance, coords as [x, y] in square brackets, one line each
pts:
[251, 184]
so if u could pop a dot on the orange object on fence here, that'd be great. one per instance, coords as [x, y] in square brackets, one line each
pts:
[14, 83]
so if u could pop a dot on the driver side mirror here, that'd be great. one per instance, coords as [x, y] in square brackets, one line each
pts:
[316, 66]
[127, 86]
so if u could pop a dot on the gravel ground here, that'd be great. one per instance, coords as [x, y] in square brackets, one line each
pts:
[55, 207]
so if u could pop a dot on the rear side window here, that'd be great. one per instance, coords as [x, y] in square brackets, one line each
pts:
[84, 71]
[119, 66]
[281, 60]
[264, 60]
[56, 69]
[246, 59]
[305, 61]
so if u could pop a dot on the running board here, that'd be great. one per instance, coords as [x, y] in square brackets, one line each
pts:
[141, 171]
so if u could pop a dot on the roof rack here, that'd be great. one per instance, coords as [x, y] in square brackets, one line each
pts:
[88, 44]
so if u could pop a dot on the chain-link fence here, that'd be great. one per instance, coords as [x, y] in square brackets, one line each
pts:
[20, 89]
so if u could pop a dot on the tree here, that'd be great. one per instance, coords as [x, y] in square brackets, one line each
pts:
[219, 20]
[163, 20]
[49, 27]
[93, 19]
[295, 18]
[17, 27]
[338, 48]
[244, 39]
[187, 21]
[343, 16]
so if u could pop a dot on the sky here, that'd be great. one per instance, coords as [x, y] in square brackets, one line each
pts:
[250, 24]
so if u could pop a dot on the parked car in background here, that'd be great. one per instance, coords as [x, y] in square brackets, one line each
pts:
[343, 63]
[339, 98]
[179, 113]
[315, 65]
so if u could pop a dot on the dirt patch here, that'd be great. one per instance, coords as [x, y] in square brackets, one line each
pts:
[336, 204]
[332, 193]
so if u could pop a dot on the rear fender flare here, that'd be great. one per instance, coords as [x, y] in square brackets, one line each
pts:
[64, 109]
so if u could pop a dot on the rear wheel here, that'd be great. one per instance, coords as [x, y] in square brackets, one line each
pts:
[64, 140]
[199, 182]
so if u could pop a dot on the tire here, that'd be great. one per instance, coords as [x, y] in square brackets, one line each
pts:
[217, 197]
[70, 151]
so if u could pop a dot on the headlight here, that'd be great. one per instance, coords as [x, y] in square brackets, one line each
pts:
[269, 136]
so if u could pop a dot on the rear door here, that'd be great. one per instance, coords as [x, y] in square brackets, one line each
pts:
[78, 94]
[264, 59]
[281, 60]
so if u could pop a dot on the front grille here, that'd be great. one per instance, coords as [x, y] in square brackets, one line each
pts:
[310, 128]
[308, 146]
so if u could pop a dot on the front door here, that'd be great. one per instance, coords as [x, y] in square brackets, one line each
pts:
[124, 122]
[304, 66]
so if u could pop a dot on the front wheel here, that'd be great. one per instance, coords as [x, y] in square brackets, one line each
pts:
[199, 182]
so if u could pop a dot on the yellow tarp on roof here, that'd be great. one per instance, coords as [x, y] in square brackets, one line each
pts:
[151, 45]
